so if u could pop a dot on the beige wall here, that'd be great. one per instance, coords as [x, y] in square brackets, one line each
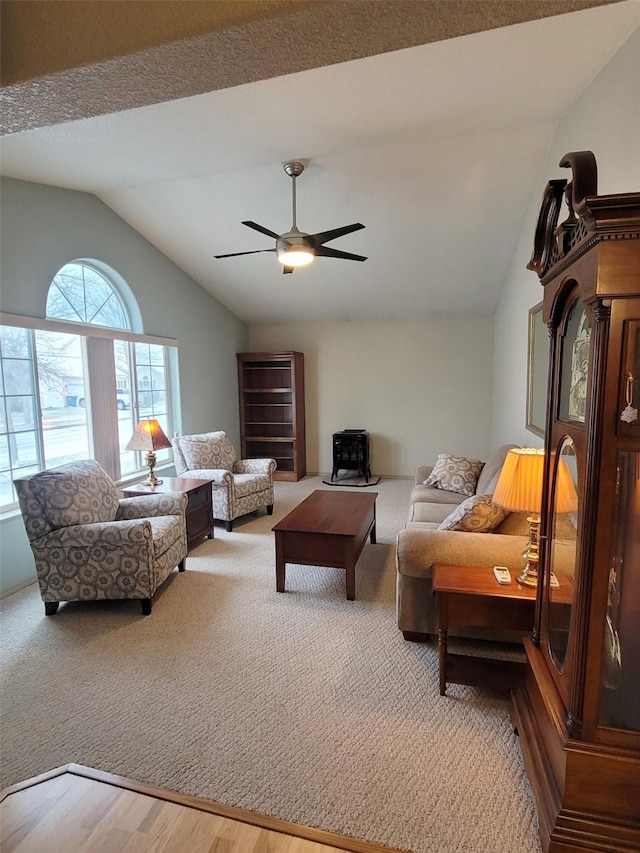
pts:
[419, 388]
[606, 120]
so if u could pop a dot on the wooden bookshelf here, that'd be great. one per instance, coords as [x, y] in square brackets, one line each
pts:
[271, 396]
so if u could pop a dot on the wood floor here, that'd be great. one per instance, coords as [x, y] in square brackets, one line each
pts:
[76, 809]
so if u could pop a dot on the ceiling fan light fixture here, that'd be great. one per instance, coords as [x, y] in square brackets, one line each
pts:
[292, 249]
[296, 256]
[298, 248]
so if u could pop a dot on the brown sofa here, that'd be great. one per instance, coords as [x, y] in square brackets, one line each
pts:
[420, 544]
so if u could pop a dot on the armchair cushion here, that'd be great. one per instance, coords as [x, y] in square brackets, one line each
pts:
[80, 493]
[208, 450]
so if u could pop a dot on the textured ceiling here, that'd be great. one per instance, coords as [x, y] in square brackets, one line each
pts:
[432, 147]
[69, 59]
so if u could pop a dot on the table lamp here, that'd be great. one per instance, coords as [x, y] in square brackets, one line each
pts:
[519, 489]
[150, 437]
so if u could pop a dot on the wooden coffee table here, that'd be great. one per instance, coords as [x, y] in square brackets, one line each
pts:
[471, 596]
[327, 529]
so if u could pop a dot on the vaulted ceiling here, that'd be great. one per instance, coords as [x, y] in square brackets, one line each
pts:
[426, 121]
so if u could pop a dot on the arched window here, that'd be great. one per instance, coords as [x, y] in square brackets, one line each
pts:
[76, 383]
[79, 293]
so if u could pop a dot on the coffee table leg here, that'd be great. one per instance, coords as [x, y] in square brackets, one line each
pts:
[351, 581]
[280, 564]
[442, 660]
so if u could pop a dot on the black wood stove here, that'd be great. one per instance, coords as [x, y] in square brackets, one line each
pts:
[351, 452]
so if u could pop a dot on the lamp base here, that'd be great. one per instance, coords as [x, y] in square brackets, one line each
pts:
[529, 574]
[151, 480]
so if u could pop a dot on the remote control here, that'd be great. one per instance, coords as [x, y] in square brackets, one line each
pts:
[502, 574]
[553, 581]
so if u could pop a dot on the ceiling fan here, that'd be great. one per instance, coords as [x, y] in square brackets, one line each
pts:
[296, 248]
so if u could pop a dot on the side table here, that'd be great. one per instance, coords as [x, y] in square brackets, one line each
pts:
[471, 596]
[199, 513]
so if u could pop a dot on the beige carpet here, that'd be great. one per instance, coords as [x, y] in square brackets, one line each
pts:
[300, 705]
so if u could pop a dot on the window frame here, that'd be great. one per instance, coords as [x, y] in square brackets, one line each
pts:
[99, 430]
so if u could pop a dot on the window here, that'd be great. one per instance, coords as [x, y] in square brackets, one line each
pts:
[81, 294]
[142, 392]
[20, 449]
[75, 385]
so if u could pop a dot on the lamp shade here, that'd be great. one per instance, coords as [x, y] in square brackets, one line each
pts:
[566, 495]
[519, 487]
[148, 436]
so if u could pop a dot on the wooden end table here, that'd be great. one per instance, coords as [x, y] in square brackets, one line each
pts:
[326, 529]
[199, 512]
[471, 596]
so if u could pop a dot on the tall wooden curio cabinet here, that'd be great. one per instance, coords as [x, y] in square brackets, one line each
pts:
[272, 423]
[578, 711]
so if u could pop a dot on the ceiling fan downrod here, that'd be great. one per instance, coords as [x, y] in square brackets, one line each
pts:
[293, 168]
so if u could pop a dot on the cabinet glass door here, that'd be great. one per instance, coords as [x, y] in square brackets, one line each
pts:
[575, 366]
[564, 495]
[619, 679]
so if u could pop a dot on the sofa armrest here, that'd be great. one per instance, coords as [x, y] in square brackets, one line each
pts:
[254, 466]
[418, 550]
[151, 506]
[421, 474]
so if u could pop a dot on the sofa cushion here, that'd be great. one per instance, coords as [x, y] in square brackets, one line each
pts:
[488, 479]
[455, 474]
[478, 514]
[430, 511]
[428, 495]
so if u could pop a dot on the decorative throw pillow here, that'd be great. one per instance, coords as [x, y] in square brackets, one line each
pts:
[478, 514]
[455, 474]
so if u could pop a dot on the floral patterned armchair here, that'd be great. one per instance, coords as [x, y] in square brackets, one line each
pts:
[239, 486]
[88, 544]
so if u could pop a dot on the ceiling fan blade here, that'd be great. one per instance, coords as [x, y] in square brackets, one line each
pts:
[328, 252]
[237, 254]
[325, 236]
[261, 229]
[286, 270]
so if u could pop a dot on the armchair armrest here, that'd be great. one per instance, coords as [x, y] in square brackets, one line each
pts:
[254, 466]
[109, 535]
[219, 476]
[145, 506]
